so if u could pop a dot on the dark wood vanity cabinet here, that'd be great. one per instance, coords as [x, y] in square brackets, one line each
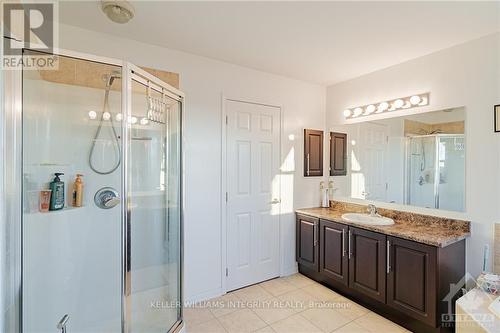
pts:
[313, 153]
[307, 249]
[406, 281]
[411, 279]
[333, 248]
[367, 263]
[338, 154]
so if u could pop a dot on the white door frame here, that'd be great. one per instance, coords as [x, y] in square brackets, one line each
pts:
[223, 201]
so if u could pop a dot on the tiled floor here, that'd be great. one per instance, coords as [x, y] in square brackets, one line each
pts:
[294, 304]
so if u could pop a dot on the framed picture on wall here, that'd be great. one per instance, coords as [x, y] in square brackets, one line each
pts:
[497, 118]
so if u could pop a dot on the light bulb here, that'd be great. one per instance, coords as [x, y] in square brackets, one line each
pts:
[118, 117]
[398, 103]
[357, 112]
[382, 107]
[133, 120]
[414, 100]
[92, 114]
[347, 113]
[144, 121]
[370, 109]
[106, 115]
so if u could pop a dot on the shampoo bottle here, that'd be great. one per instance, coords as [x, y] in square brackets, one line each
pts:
[57, 196]
[78, 191]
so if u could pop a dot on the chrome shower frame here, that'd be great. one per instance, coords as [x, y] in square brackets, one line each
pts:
[11, 184]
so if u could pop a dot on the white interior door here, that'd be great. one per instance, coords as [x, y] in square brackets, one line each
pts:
[253, 202]
[372, 151]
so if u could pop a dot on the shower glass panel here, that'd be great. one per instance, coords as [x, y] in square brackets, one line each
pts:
[71, 257]
[436, 171]
[421, 171]
[154, 161]
[452, 172]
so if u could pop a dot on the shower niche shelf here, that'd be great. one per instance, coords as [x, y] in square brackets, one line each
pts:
[60, 211]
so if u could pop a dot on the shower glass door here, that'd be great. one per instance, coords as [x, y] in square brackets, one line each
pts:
[154, 205]
[451, 188]
[421, 171]
[71, 257]
[436, 171]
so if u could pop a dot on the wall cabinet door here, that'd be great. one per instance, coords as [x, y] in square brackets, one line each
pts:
[333, 259]
[367, 263]
[411, 281]
[307, 249]
[338, 154]
[313, 153]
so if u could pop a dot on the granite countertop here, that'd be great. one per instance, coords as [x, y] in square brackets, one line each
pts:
[425, 229]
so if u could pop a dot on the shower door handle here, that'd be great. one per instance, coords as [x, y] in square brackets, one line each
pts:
[62, 323]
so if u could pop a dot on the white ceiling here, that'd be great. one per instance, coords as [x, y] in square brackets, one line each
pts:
[322, 42]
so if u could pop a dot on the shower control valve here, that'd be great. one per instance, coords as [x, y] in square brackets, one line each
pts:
[106, 198]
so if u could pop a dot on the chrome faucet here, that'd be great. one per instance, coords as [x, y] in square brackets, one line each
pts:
[372, 209]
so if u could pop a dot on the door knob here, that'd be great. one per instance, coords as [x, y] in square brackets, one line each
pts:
[275, 201]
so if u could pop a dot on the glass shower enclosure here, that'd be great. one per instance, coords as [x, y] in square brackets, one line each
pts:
[105, 257]
[436, 171]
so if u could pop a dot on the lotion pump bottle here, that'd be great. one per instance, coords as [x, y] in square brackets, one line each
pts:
[78, 191]
[57, 196]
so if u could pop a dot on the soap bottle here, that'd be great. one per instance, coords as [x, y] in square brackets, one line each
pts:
[78, 191]
[57, 196]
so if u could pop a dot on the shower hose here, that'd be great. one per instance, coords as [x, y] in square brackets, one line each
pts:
[105, 108]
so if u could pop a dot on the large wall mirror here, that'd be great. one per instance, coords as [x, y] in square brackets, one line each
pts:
[416, 160]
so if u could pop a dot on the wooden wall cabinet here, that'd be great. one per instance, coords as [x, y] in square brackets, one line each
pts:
[338, 154]
[313, 153]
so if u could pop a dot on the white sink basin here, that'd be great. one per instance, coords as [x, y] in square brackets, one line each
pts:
[367, 219]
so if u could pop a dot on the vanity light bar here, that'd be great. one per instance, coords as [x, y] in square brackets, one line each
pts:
[118, 117]
[403, 103]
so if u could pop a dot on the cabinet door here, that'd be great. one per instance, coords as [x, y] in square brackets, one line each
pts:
[307, 249]
[333, 261]
[338, 154]
[367, 263]
[313, 153]
[411, 280]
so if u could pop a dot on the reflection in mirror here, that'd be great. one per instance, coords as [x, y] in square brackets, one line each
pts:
[416, 160]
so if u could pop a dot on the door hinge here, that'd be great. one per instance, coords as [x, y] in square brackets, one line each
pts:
[226, 196]
[227, 272]
[226, 120]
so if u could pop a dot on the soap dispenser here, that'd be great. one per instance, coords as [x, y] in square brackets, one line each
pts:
[78, 191]
[57, 188]
[325, 200]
